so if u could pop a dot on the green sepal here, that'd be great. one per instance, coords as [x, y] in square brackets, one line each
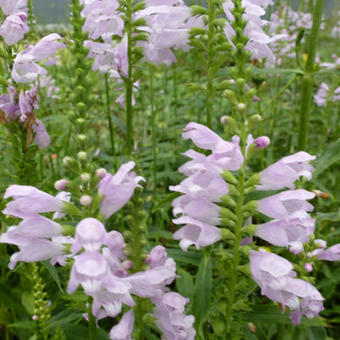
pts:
[197, 31]
[226, 222]
[244, 269]
[138, 6]
[68, 230]
[229, 177]
[198, 10]
[230, 94]
[253, 180]
[226, 213]
[227, 234]
[70, 209]
[227, 200]
[249, 230]
[251, 207]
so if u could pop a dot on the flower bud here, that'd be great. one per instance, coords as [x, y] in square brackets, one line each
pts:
[81, 137]
[308, 267]
[296, 247]
[85, 200]
[320, 243]
[262, 142]
[69, 161]
[227, 234]
[85, 177]
[80, 121]
[61, 185]
[241, 106]
[82, 155]
[101, 172]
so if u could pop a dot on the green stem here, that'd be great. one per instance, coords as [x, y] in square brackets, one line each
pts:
[308, 77]
[211, 54]
[92, 322]
[129, 81]
[236, 249]
[153, 126]
[175, 88]
[108, 113]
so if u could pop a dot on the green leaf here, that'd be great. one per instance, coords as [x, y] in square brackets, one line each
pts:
[316, 333]
[22, 324]
[202, 293]
[328, 158]
[54, 273]
[27, 300]
[167, 199]
[185, 257]
[184, 283]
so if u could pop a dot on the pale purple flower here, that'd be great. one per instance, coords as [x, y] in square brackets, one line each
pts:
[8, 104]
[123, 330]
[286, 203]
[203, 184]
[27, 102]
[32, 236]
[151, 282]
[331, 254]
[28, 201]
[286, 171]
[117, 189]
[277, 280]
[41, 137]
[156, 257]
[205, 138]
[195, 232]
[25, 69]
[258, 39]
[198, 208]
[262, 142]
[13, 6]
[14, 28]
[102, 19]
[170, 317]
[47, 46]
[89, 269]
[322, 95]
[295, 228]
[90, 235]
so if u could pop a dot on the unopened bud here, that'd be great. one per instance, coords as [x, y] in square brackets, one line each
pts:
[320, 243]
[296, 247]
[68, 161]
[80, 121]
[262, 142]
[308, 267]
[85, 200]
[241, 106]
[81, 137]
[61, 185]
[35, 317]
[227, 234]
[101, 172]
[82, 155]
[85, 177]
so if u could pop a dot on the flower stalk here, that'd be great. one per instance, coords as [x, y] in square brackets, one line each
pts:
[308, 77]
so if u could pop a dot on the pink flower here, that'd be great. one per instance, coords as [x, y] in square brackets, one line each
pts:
[286, 171]
[285, 203]
[41, 137]
[330, 254]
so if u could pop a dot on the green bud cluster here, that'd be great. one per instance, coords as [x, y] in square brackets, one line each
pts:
[41, 311]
